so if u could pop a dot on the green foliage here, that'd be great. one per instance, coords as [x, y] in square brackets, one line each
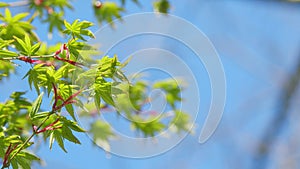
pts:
[5, 69]
[13, 115]
[137, 94]
[55, 21]
[108, 12]
[36, 106]
[42, 7]
[51, 12]
[162, 6]
[64, 131]
[15, 26]
[101, 138]
[97, 77]
[181, 121]
[69, 74]
[40, 76]
[131, 98]
[14, 127]
[124, 1]
[24, 159]
[2, 4]
[82, 51]
[77, 29]
[103, 90]
[26, 47]
[107, 66]
[6, 53]
[5, 43]
[172, 90]
[148, 127]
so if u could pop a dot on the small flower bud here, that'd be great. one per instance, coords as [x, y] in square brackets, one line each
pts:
[98, 4]
[38, 2]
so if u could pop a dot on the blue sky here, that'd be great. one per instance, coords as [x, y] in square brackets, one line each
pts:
[258, 43]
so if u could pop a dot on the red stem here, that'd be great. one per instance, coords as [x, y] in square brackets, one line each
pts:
[65, 48]
[49, 127]
[55, 96]
[73, 96]
[56, 56]
[65, 102]
[7, 153]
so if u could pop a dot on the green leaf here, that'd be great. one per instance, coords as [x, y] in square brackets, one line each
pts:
[51, 140]
[149, 127]
[74, 126]
[68, 134]
[134, 1]
[63, 71]
[162, 6]
[35, 48]
[108, 12]
[86, 24]
[181, 121]
[20, 16]
[66, 91]
[75, 24]
[101, 132]
[133, 96]
[59, 138]
[24, 159]
[65, 132]
[172, 89]
[108, 66]
[78, 29]
[41, 76]
[28, 43]
[14, 164]
[22, 43]
[29, 156]
[71, 124]
[6, 53]
[13, 139]
[36, 106]
[125, 63]
[41, 115]
[2, 4]
[55, 20]
[25, 45]
[22, 162]
[87, 33]
[70, 110]
[97, 100]
[67, 25]
[106, 96]
[5, 43]
[7, 14]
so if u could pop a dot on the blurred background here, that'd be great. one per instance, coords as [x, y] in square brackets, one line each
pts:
[259, 45]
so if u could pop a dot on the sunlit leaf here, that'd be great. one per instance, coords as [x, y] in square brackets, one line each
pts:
[36, 106]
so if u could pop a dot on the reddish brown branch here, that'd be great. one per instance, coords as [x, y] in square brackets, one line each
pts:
[65, 48]
[47, 128]
[7, 154]
[65, 102]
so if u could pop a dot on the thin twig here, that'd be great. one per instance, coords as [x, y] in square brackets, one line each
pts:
[19, 57]
[29, 138]
[275, 128]
[18, 3]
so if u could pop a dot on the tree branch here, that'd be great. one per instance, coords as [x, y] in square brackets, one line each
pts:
[28, 139]
[19, 57]
[274, 129]
[18, 3]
